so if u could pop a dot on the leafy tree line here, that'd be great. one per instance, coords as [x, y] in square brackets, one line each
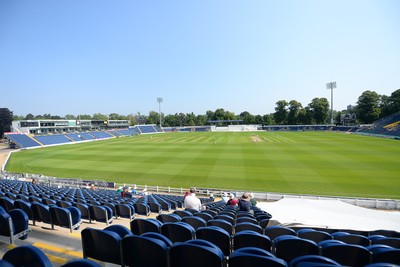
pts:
[370, 107]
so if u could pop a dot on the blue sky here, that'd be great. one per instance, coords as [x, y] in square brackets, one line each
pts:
[97, 56]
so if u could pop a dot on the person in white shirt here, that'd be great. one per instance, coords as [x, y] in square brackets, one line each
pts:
[193, 202]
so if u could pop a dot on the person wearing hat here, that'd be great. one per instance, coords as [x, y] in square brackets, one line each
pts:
[244, 202]
[193, 202]
[232, 201]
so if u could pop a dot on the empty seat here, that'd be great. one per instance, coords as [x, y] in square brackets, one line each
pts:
[288, 247]
[101, 214]
[314, 235]
[102, 245]
[249, 238]
[354, 239]
[144, 251]
[140, 226]
[217, 236]
[194, 221]
[14, 224]
[222, 224]
[27, 256]
[178, 231]
[248, 226]
[125, 211]
[196, 253]
[275, 231]
[312, 260]
[254, 257]
[347, 254]
[168, 218]
[66, 217]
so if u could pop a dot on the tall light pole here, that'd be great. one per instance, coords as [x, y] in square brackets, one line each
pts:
[159, 100]
[330, 86]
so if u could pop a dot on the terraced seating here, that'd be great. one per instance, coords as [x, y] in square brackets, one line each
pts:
[52, 139]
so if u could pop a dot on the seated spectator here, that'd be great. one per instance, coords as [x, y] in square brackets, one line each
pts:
[192, 201]
[253, 200]
[232, 200]
[144, 192]
[225, 197]
[134, 192]
[126, 193]
[186, 194]
[92, 187]
[212, 196]
[244, 202]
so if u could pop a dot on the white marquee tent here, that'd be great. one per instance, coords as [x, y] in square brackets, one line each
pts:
[335, 214]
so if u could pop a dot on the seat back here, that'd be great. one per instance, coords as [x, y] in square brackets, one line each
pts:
[178, 231]
[347, 254]
[144, 251]
[217, 236]
[27, 255]
[249, 238]
[254, 257]
[140, 226]
[101, 245]
[194, 221]
[275, 231]
[196, 253]
[288, 247]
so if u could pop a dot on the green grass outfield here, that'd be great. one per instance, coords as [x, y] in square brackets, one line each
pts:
[321, 163]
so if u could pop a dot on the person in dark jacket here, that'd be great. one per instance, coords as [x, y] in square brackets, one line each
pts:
[244, 202]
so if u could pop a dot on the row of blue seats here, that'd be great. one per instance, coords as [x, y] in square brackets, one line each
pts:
[116, 244]
[23, 140]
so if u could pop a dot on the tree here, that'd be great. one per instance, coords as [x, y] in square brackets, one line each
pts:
[319, 108]
[294, 109]
[247, 117]
[154, 118]
[84, 117]
[69, 117]
[99, 116]
[395, 101]
[280, 114]
[29, 116]
[181, 119]
[368, 109]
[268, 119]
[5, 120]
[17, 118]
[201, 120]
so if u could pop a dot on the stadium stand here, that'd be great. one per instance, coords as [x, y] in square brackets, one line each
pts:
[52, 139]
[387, 126]
[22, 140]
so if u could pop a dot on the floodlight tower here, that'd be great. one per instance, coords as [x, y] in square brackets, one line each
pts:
[330, 86]
[159, 100]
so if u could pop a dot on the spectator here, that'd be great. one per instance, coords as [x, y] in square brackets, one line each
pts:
[212, 196]
[192, 201]
[134, 192]
[232, 200]
[253, 200]
[92, 187]
[144, 192]
[244, 202]
[225, 197]
[186, 194]
[126, 193]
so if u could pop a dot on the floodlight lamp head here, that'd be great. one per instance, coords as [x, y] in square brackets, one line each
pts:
[331, 85]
